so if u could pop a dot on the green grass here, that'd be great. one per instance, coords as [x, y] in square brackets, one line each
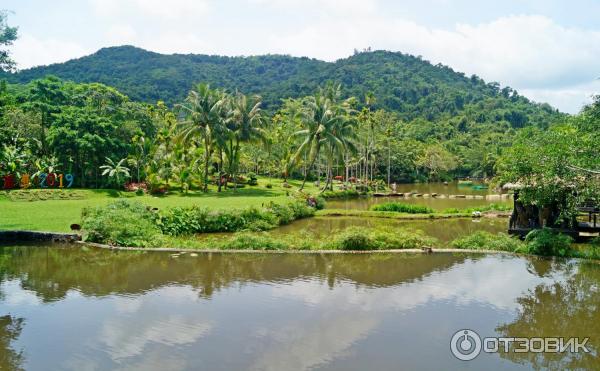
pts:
[58, 214]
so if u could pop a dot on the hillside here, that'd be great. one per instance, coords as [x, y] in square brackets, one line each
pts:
[405, 84]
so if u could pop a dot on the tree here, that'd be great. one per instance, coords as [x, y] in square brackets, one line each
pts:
[7, 36]
[115, 170]
[244, 125]
[203, 111]
[553, 166]
[325, 124]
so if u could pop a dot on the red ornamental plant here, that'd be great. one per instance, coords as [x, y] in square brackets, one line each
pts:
[133, 186]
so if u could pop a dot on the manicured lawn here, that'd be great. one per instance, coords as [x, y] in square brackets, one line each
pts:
[58, 215]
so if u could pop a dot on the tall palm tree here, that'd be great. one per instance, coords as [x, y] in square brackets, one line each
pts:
[203, 117]
[244, 124]
[326, 125]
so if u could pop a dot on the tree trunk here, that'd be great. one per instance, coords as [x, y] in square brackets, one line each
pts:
[206, 159]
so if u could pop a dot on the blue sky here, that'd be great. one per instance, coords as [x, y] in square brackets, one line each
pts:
[547, 50]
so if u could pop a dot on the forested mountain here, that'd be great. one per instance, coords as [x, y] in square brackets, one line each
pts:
[414, 121]
[400, 83]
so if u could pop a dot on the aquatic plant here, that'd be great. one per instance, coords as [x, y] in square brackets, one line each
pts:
[402, 208]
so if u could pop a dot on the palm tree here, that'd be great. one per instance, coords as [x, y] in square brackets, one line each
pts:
[244, 124]
[203, 111]
[115, 170]
[327, 124]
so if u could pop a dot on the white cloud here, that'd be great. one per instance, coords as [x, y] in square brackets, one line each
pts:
[172, 9]
[30, 51]
[525, 52]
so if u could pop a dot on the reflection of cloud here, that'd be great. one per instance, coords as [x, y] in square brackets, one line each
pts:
[127, 340]
[14, 295]
[341, 317]
[159, 362]
[301, 345]
[144, 323]
[484, 280]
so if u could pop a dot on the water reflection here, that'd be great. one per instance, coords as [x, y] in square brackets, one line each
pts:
[365, 203]
[10, 329]
[98, 309]
[570, 308]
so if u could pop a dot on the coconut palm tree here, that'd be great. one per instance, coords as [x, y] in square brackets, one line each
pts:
[203, 118]
[114, 170]
[327, 124]
[244, 124]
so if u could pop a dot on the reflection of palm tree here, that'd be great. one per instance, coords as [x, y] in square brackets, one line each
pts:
[10, 330]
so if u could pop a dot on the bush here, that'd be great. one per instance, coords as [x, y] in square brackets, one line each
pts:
[268, 185]
[482, 240]
[401, 239]
[348, 193]
[252, 179]
[490, 207]
[184, 221]
[120, 223]
[248, 241]
[402, 208]
[547, 242]
[361, 238]
[353, 238]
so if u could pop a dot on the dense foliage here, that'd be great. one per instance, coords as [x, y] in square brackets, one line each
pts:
[558, 167]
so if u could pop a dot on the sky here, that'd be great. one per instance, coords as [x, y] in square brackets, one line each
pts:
[549, 50]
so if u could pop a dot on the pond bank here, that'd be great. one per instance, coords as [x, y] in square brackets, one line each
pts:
[195, 250]
[406, 216]
[35, 236]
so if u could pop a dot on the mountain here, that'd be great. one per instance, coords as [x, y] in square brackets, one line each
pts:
[408, 85]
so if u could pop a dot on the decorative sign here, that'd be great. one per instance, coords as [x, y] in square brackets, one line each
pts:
[43, 180]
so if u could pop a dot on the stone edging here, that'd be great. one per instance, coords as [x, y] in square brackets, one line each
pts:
[34, 236]
[219, 251]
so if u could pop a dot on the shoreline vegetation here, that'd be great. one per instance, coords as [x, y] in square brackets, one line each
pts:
[130, 224]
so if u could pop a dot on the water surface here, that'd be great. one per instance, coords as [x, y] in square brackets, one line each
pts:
[436, 203]
[63, 308]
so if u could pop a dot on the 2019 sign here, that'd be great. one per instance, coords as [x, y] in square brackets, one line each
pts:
[43, 180]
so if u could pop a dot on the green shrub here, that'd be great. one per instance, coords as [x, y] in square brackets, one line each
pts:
[268, 185]
[184, 221]
[490, 207]
[252, 179]
[284, 212]
[321, 202]
[120, 223]
[353, 238]
[547, 242]
[482, 240]
[348, 193]
[401, 239]
[248, 241]
[362, 238]
[402, 208]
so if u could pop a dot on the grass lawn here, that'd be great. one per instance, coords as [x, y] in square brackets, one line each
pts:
[58, 215]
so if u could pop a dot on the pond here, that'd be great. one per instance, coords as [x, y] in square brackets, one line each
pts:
[436, 203]
[444, 230]
[67, 308]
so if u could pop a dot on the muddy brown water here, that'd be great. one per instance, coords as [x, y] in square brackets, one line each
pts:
[68, 308]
